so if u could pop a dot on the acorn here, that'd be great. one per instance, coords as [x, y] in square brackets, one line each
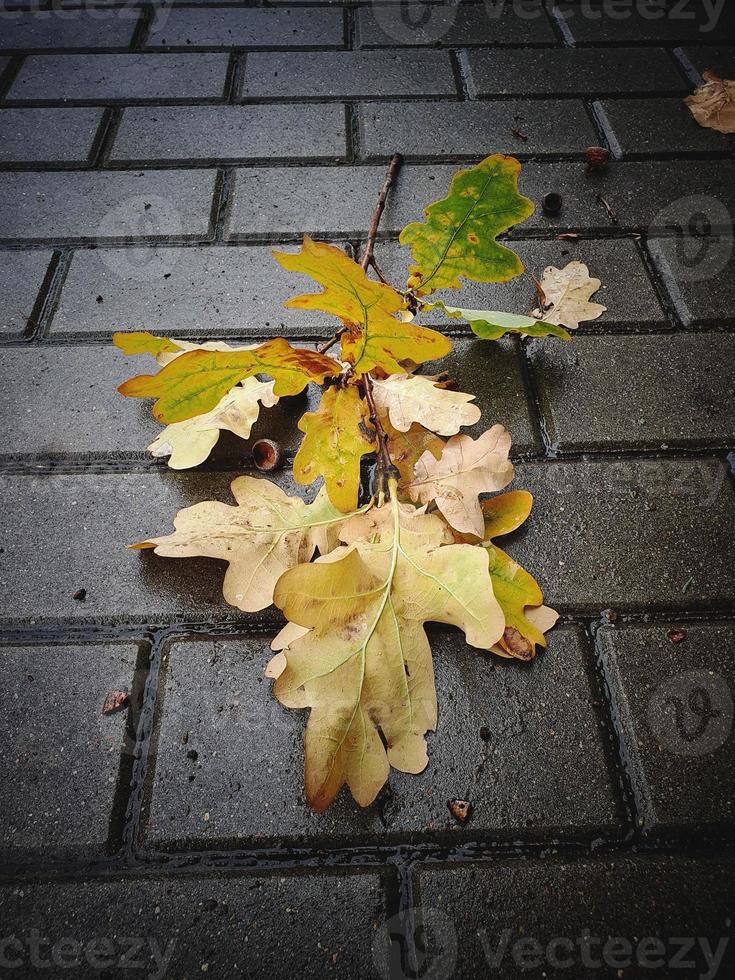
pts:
[267, 455]
[551, 204]
[597, 157]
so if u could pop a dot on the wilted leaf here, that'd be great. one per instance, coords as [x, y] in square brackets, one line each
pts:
[568, 290]
[195, 382]
[409, 398]
[364, 668]
[458, 237]
[713, 105]
[467, 468]
[266, 533]
[374, 337]
[406, 448]
[460, 810]
[337, 437]
[190, 443]
[141, 342]
[493, 324]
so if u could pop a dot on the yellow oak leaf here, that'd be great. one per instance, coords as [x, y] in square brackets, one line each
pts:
[142, 342]
[568, 292]
[374, 337]
[458, 237]
[713, 105]
[266, 533]
[467, 468]
[337, 437]
[364, 668]
[409, 398]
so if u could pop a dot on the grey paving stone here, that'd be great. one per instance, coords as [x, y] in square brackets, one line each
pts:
[44, 29]
[306, 925]
[665, 390]
[120, 77]
[227, 748]
[22, 275]
[231, 132]
[192, 291]
[47, 135]
[632, 910]
[721, 60]
[348, 74]
[573, 71]
[386, 25]
[627, 291]
[654, 126]
[62, 755]
[281, 27]
[666, 22]
[632, 534]
[81, 524]
[106, 206]
[697, 275]
[675, 705]
[436, 129]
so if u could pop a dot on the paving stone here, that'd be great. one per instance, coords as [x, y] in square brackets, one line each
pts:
[626, 291]
[231, 132]
[62, 755]
[631, 22]
[313, 925]
[573, 71]
[611, 392]
[697, 273]
[22, 275]
[386, 25]
[106, 206]
[628, 534]
[81, 524]
[44, 29]
[436, 129]
[674, 703]
[191, 291]
[120, 77]
[226, 747]
[348, 74]
[661, 126]
[721, 60]
[631, 909]
[281, 27]
[47, 135]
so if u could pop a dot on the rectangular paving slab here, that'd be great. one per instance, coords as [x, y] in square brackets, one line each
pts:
[48, 135]
[22, 275]
[647, 127]
[62, 755]
[51, 29]
[673, 692]
[668, 22]
[696, 272]
[229, 763]
[252, 27]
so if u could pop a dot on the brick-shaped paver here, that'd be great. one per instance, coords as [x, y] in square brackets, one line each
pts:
[608, 917]
[676, 390]
[22, 275]
[697, 272]
[62, 755]
[160, 289]
[720, 60]
[628, 533]
[668, 22]
[644, 127]
[252, 27]
[227, 132]
[227, 748]
[348, 74]
[476, 25]
[306, 925]
[674, 702]
[626, 289]
[573, 71]
[475, 129]
[120, 77]
[44, 29]
[106, 206]
[47, 135]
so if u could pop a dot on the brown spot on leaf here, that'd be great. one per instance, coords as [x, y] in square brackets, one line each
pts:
[516, 644]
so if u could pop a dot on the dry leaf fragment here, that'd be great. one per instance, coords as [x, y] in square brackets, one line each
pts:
[676, 635]
[568, 290]
[460, 810]
[409, 398]
[713, 105]
[467, 468]
[115, 701]
[406, 448]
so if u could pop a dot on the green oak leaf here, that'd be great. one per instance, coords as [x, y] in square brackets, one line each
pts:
[493, 324]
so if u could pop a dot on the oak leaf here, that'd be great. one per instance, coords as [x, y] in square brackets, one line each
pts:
[364, 668]
[373, 337]
[409, 398]
[458, 237]
[337, 437]
[406, 448]
[266, 533]
[467, 468]
[493, 324]
[713, 105]
[568, 292]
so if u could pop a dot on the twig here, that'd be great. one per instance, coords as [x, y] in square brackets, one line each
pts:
[611, 212]
[384, 465]
[390, 176]
[378, 271]
[332, 341]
